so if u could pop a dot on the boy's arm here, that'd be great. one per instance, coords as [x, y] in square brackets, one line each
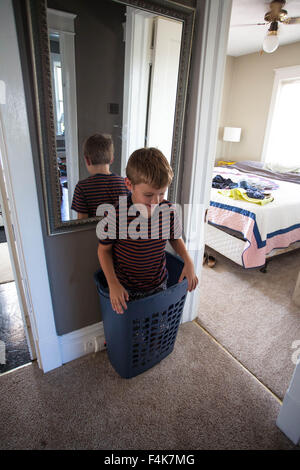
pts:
[188, 269]
[118, 295]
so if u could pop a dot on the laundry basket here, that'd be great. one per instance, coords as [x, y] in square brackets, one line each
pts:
[146, 332]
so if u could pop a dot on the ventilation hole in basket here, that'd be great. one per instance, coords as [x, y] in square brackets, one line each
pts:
[139, 336]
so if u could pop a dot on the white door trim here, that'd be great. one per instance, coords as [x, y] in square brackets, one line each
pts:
[138, 28]
[19, 172]
[14, 246]
[201, 141]
[63, 23]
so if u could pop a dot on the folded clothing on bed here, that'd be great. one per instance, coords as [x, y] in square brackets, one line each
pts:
[243, 194]
[253, 190]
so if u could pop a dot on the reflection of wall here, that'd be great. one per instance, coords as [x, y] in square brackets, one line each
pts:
[246, 99]
[99, 55]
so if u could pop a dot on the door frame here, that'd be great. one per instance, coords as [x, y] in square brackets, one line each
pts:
[205, 97]
[13, 242]
[137, 36]
[22, 193]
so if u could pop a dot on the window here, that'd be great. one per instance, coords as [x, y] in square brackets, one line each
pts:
[282, 136]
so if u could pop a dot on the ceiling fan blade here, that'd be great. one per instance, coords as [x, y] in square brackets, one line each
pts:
[293, 20]
[250, 24]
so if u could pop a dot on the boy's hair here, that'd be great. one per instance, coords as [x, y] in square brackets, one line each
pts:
[99, 148]
[149, 166]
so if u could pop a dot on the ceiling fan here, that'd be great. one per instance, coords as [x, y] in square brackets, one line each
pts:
[276, 15]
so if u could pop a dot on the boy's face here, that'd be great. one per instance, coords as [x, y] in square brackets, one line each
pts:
[145, 194]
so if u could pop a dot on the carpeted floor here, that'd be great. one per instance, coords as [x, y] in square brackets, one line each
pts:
[252, 315]
[196, 398]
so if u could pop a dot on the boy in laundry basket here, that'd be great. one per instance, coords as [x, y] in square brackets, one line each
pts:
[133, 258]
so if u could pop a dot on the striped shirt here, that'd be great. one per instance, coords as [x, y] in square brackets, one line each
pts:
[98, 189]
[140, 264]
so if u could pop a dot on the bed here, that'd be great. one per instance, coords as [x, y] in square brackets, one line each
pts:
[249, 233]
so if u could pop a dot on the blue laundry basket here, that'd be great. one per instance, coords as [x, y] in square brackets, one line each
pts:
[146, 332]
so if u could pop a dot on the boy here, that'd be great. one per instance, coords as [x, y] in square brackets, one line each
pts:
[102, 186]
[135, 267]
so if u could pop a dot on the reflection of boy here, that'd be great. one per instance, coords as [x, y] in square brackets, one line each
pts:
[135, 267]
[102, 186]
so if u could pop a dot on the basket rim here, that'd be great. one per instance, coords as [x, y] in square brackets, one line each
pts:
[168, 254]
[106, 294]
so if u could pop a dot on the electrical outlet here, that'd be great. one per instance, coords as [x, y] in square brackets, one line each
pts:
[97, 343]
[89, 346]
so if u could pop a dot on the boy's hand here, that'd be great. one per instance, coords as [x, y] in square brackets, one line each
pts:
[118, 296]
[189, 272]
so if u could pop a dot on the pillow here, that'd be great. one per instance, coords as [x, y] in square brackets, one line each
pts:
[282, 168]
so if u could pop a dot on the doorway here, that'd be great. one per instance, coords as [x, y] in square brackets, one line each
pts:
[16, 343]
[252, 315]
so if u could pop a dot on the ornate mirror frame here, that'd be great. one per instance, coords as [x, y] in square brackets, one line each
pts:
[42, 92]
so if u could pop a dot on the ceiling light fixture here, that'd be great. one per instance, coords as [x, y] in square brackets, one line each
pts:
[271, 41]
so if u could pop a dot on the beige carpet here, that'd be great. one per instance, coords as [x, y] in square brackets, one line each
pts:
[252, 315]
[196, 398]
[6, 272]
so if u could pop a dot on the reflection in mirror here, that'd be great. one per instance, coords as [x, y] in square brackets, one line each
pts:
[114, 70]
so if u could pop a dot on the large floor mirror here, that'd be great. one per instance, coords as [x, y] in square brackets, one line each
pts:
[111, 67]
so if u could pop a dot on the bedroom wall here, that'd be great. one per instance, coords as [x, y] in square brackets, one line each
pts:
[248, 84]
[228, 79]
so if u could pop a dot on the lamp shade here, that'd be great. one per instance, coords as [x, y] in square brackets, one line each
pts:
[232, 134]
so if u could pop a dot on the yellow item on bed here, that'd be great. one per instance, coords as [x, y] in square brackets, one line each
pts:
[240, 194]
[224, 162]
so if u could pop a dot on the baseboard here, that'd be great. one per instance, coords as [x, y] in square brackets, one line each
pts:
[81, 342]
